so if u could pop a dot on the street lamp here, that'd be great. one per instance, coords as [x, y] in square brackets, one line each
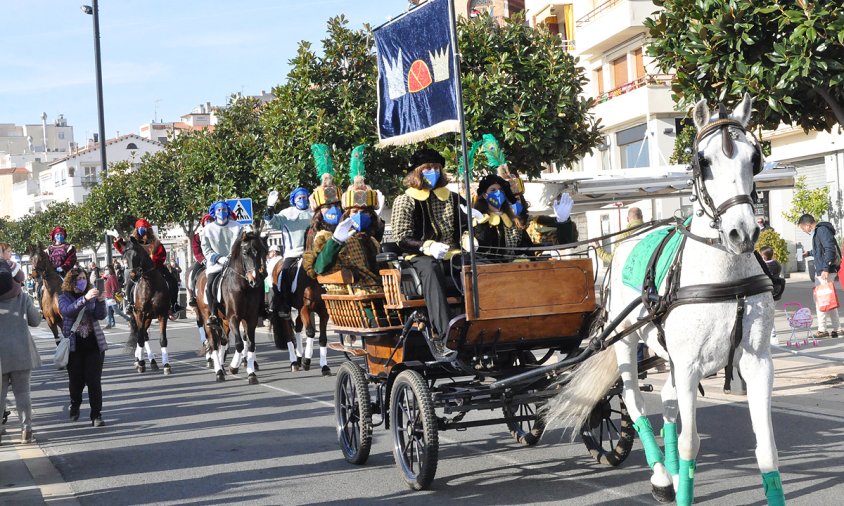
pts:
[94, 11]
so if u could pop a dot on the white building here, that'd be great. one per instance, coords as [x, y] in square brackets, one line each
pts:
[202, 117]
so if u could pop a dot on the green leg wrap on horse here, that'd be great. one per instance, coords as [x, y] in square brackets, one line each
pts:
[669, 434]
[773, 488]
[646, 434]
[686, 488]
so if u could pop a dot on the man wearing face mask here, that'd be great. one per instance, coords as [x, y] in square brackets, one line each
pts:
[62, 255]
[146, 237]
[325, 201]
[293, 222]
[425, 226]
[218, 237]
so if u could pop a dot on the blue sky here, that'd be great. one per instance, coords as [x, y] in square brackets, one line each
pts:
[164, 55]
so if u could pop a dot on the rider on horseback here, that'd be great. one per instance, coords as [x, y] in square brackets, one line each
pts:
[196, 248]
[325, 200]
[62, 255]
[218, 237]
[293, 223]
[145, 236]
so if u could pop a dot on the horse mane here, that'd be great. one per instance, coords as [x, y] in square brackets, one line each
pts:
[136, 246]
[43, 260]
[249, 243]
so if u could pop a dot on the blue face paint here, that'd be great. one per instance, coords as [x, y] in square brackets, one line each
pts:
[496, 198]
[81, 284]
[518, 207]
[361, 222]
[59, 239]
[301, 202]
[432, 176]
[142, 231]
[331, 215]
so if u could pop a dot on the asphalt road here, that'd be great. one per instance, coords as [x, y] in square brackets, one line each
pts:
[185, 439]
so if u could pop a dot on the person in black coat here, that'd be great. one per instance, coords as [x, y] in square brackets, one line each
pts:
[827, 257]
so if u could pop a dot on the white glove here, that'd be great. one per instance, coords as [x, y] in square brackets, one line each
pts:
[59, 269]
[381, 200]
[562, 208]
[272, 199]
[437, 250]
[223, 260]
[344, 230]
[113, 233]
[476, 215]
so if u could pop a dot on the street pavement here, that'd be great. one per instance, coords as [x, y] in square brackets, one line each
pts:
[184, 439]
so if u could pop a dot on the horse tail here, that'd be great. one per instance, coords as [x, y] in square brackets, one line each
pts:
[581, 390]
[132, 343]
[282, 331]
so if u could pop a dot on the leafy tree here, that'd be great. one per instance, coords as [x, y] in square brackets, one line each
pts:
[684, 141]
[770, 237]
[788, 55]
[815, 202]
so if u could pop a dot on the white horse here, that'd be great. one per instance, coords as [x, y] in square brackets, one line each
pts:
[719, 249]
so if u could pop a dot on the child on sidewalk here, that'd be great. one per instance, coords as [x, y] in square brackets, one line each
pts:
[776, 270]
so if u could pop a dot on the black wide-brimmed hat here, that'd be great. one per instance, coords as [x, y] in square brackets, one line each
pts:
[423, 156]
[492, 179]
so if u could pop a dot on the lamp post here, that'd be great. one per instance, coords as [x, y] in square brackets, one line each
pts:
[94, 11]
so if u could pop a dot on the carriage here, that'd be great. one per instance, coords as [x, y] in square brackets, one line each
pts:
[495, 358]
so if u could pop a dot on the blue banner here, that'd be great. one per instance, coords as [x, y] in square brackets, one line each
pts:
[417, 77]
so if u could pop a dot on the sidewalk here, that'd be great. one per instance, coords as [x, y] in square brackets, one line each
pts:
[27, 477]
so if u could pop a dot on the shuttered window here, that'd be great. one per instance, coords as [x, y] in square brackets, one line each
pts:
[640, 63]
[598, 77]
[619, 71]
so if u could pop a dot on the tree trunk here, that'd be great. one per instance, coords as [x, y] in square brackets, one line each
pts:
[836, 108]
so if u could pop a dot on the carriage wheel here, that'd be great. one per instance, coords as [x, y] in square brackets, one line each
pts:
[414, 427]
[523, 422]
[353, 412]
[608, 433]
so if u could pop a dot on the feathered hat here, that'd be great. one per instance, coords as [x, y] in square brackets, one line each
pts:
[326, 193]
[358, 194]
[496, 160]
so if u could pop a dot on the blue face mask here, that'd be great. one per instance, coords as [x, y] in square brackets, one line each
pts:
[81, 284]
[221, 215]
[331, 215]
[142, 231]
[496, 198]
[301, 202]
[59, 239]
[432, 176]
[518, 207]
[361, 222]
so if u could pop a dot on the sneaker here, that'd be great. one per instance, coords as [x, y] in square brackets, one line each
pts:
[97, 422]
[833, 334]
[74, 414]
[326, 371]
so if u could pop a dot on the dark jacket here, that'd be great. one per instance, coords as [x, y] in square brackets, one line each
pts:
[825, 250]
[416, 220]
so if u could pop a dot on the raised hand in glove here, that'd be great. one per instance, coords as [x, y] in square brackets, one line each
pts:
[113, 233]
[381, 201]
[436, 250]
[476, 215]
[562, 207]
[272, 199]
[344, 230]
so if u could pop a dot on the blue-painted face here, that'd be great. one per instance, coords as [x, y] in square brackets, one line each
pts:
[301, 202]
[432, 176]
[59, 239]
[361, 222]
[332, 215]
[496, 198]
[142, 231]
[518, 207]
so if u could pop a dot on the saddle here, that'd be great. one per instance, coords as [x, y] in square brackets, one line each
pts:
[649, 262]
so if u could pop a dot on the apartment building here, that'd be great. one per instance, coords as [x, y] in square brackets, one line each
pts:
[202, 117]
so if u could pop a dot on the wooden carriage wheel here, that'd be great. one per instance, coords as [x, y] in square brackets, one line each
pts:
[608, 434]
[353, 413]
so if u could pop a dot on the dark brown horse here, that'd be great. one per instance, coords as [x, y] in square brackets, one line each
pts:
[51, 282]
[242, 289]
[308, 300]
[151, 300]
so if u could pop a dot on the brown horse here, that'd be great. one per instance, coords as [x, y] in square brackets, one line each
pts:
[242, 289]
[308, 300]
[51, 281]
[151, 300]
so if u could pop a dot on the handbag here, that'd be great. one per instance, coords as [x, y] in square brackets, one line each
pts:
[825, 297]
[62, 354]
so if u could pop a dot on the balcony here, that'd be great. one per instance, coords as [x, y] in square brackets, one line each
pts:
[648, 95]
[89, 182]
[612, 23]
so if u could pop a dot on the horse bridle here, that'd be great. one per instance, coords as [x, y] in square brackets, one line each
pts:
[699, 162]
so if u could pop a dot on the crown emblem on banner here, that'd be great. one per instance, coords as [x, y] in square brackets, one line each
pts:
[394, 72]
[439, 64]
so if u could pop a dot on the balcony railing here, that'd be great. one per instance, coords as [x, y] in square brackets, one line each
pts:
[597, 11]
[646, 80]
[90, 181]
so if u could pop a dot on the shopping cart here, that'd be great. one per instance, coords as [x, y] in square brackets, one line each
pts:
[799, 318]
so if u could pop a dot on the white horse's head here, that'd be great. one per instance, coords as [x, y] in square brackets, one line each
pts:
[726, 157]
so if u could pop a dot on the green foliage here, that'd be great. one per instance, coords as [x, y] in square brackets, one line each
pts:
[770, 237]
[815, 202]
[684, 140]
[788, 55]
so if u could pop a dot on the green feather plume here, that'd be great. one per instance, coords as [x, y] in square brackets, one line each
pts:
[322, 160]
[356, 165]
[472, 151]
[492, 150]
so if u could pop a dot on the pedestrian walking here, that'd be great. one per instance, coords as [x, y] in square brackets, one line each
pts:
[18, 355]
[86, 304]
[6, 255]
[827, 257]
[109, 290]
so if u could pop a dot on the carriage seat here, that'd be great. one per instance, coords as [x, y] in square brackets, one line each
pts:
[402, 284]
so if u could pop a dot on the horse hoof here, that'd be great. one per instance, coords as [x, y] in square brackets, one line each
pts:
[306, 364]
[663, 494]
[294, 367]
[233, 370]
[221, 376]
[209, 363]
[142, 367]
[253, 380]
[167, 369]
[136, 365]
[153, 365]
[326, 371]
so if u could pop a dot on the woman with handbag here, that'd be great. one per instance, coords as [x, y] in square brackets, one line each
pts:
[81, 307]
[18, 355]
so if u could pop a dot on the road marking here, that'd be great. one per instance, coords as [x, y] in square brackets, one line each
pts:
[47, 478]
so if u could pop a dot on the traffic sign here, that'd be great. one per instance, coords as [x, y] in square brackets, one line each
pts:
[242, 209]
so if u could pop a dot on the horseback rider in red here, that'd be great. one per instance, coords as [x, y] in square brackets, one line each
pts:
[145, 235]
[62, 255]
[196, 248]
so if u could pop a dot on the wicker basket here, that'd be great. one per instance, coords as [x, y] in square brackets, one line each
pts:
[365, 312]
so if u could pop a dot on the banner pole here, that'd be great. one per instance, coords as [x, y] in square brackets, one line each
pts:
[466, 168]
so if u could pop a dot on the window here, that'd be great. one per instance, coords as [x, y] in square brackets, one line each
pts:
[61, 135]
[619, 71]
[598, 78]
[131, 145]
[60, 177]
[633, 146]
[640, 63]
[89, 177]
